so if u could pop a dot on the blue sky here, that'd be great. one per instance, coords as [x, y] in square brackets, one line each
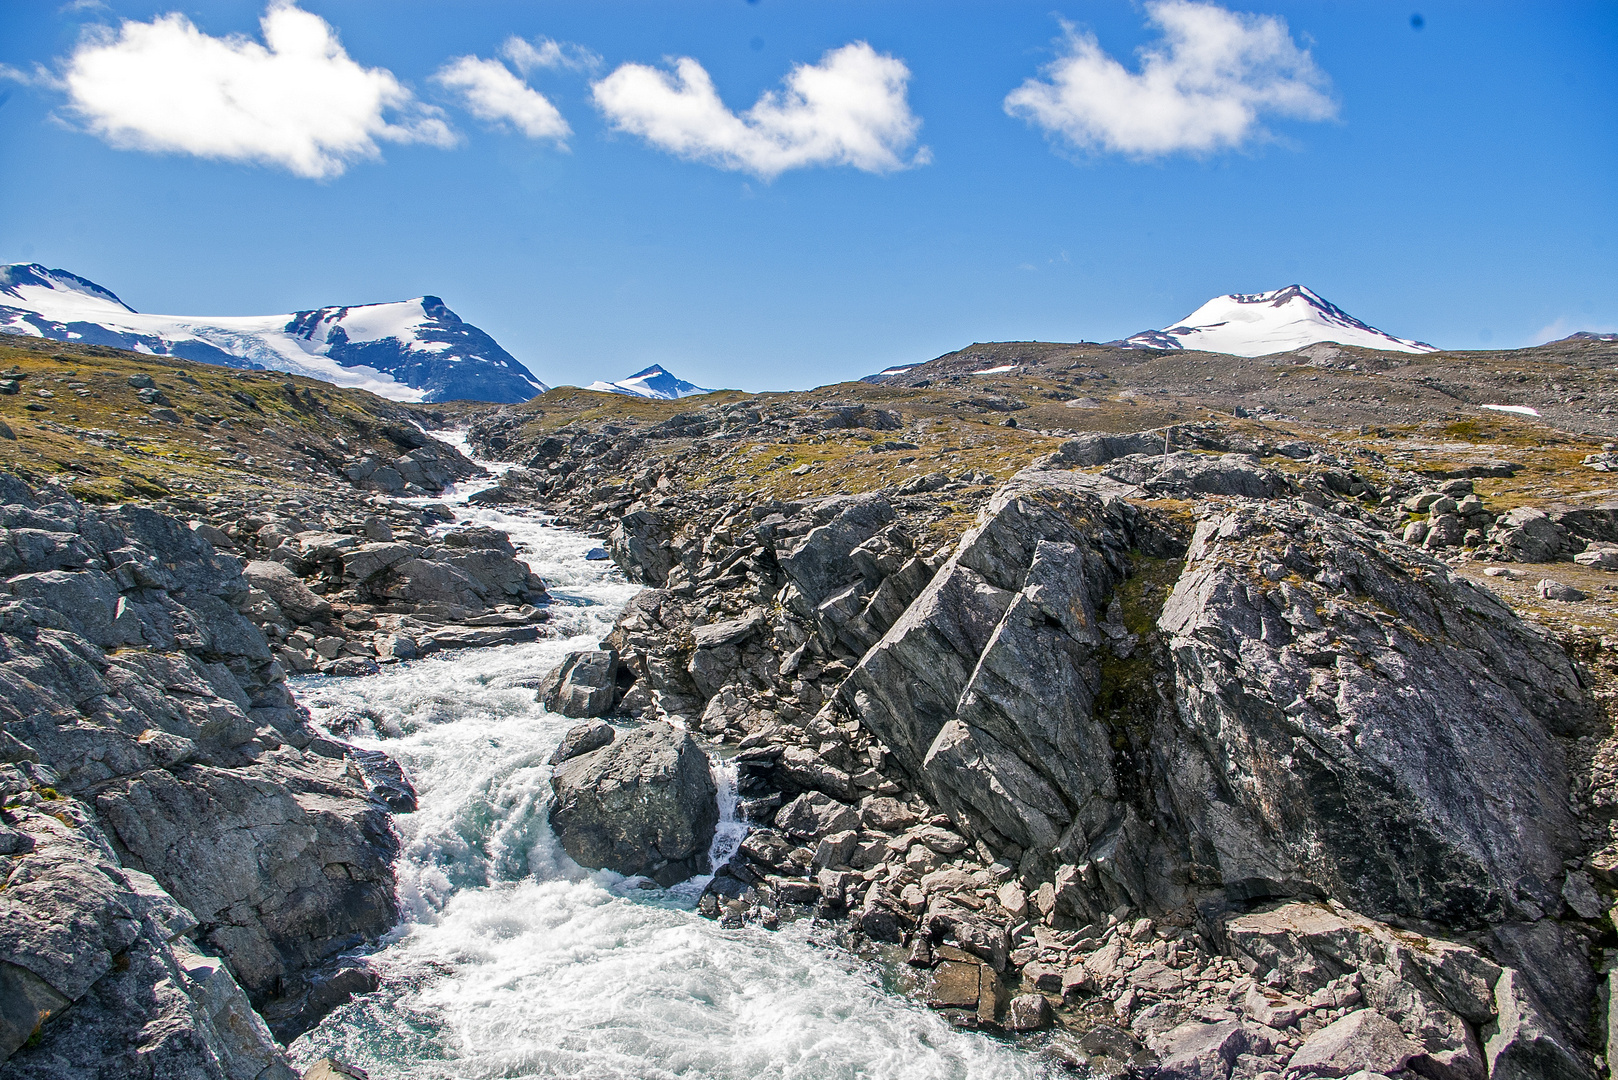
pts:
[1455, 182]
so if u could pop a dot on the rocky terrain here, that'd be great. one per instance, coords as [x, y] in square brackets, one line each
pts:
[1272, 741]
[182, 847]
[1218, 759]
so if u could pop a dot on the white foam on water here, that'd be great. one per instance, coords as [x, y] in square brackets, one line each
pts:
[510, 960]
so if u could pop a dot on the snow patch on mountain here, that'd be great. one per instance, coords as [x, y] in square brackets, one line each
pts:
[1257, 324]
[654, 382]
[889, 372]
[408, 350]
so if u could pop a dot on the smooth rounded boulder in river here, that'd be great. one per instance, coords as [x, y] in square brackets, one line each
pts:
[644, 804]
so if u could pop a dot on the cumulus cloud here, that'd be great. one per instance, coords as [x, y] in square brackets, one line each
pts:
[849, 109]
[1202, 88]
[298, 101]
[491, 92]
[525, 56]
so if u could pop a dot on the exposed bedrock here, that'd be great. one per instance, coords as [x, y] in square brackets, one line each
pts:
[173, 831]
[1273, 702]
[1356, 717]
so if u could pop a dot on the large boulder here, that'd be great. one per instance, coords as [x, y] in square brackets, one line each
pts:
[640, 546]
[499, 577]
[1527, 534]
[1384, 729]
[644, 804]
[1362, 1040]
[582, 686]
[813, 815]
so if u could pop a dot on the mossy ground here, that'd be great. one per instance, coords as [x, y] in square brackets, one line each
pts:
[76, 419]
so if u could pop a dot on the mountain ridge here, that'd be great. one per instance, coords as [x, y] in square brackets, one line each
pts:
[412, 350]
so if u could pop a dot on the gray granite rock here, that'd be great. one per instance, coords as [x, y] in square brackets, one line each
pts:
[1364, 1040]
[143, 714]
[583, 685]
[582, 740]
[644, 804]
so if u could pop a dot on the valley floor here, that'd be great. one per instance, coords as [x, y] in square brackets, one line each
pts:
[1082, 716]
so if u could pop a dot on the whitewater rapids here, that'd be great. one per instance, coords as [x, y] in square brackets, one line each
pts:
[512, 961]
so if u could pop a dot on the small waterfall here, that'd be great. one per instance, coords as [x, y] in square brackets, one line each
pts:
[728, 834]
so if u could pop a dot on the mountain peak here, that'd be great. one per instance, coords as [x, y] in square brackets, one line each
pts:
[1257, 324]
[653, 382]
[19, 280]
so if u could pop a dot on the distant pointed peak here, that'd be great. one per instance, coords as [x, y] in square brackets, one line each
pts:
[653, 382]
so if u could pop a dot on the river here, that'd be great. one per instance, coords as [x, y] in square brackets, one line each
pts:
[512, 961]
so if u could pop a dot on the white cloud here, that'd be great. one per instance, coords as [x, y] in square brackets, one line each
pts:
[297, 101]
[491, 92]
[849, 109]
[1201, 89]
[38, 77]
[542, 52]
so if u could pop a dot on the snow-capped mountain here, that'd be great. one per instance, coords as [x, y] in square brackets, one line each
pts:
[654, 382]
[411, 350]
[1256, 324]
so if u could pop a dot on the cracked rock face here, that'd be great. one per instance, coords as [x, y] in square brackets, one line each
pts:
[1374, 725]
[1311, 711]
[985, 688]
[173, 836]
